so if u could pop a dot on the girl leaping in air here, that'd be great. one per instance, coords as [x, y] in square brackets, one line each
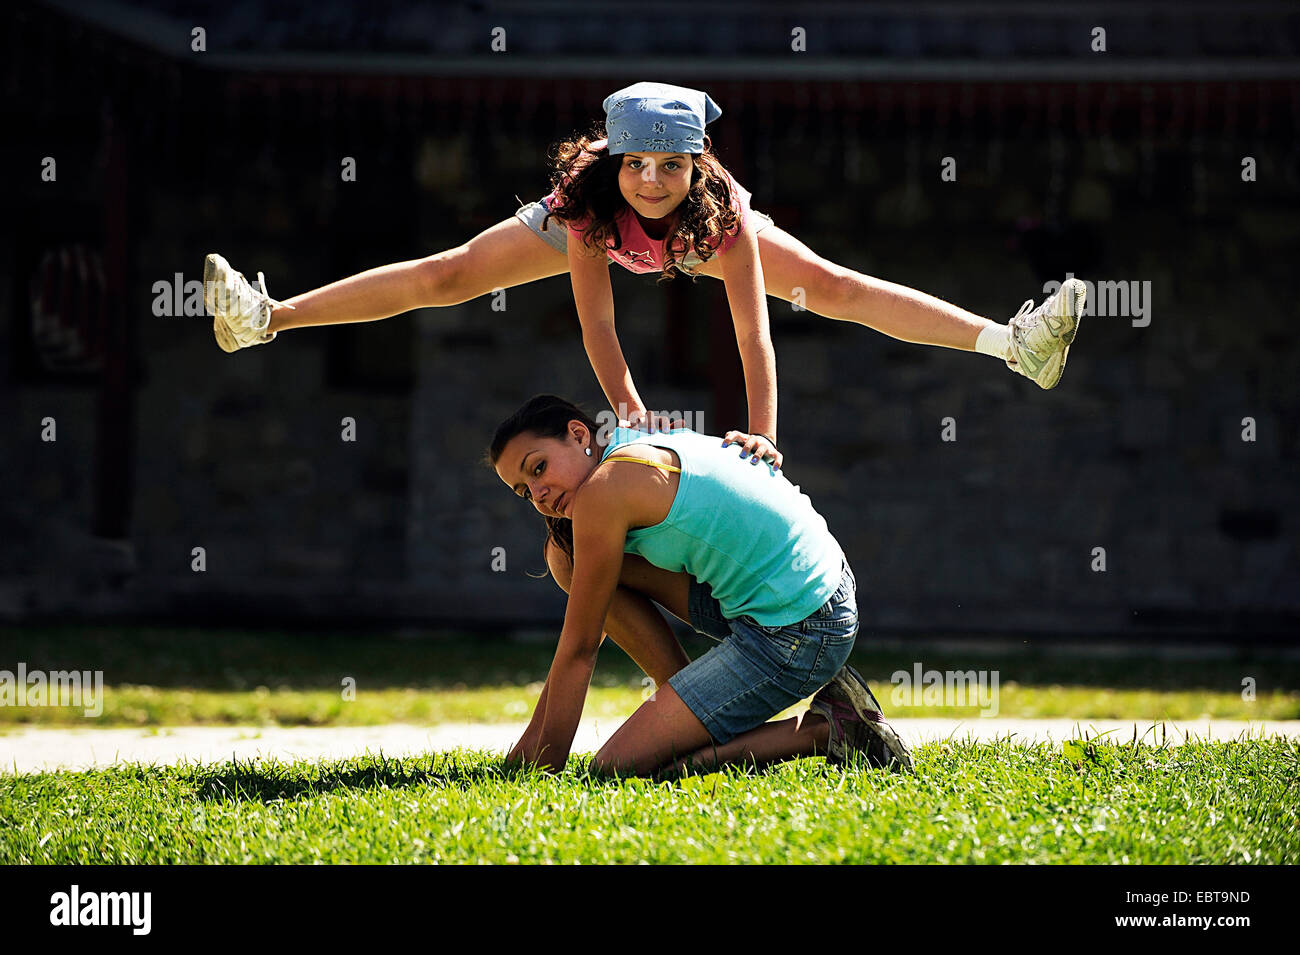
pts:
[650, 195]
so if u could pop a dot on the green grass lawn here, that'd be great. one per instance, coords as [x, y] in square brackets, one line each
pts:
[169, 677]
[1081, 802]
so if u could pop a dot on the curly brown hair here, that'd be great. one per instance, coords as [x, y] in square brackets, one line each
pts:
[586, 186]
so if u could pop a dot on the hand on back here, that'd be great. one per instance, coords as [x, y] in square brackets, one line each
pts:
[757, 447]
[650, 421]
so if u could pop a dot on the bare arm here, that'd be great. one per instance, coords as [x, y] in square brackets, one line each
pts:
[634, 623]
[593, 296]
[600, 522]
[528, 742]
[742, 273]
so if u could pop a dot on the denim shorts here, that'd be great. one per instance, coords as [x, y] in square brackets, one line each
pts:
[557, 233]
[756, 672]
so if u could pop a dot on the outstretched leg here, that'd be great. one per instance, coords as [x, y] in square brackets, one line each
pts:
[795, 273]
[1034, 343]
[505, 255]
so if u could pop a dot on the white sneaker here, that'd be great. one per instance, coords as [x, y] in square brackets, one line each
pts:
[1041, 337]
[240, 313]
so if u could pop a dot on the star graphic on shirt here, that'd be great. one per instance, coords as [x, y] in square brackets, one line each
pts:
[636, 256]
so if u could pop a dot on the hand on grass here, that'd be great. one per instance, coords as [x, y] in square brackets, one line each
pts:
[525, 756]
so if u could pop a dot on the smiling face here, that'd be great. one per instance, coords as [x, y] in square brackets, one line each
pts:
[548, 471]
[645, 177]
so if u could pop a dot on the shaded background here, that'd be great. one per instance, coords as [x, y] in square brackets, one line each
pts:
[1117, 166]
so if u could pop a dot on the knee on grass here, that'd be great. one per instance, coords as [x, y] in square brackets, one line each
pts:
[604, 768]
[607, 765]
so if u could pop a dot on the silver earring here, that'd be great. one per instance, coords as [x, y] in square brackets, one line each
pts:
[588, 452]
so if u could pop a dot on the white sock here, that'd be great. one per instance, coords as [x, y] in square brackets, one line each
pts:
[994, 340]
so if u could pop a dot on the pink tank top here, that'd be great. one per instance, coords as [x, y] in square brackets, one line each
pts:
[639, 253]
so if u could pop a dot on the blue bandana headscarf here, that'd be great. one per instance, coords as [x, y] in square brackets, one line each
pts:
[656, 117]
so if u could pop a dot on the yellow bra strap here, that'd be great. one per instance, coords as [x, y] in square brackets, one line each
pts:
[653, 464]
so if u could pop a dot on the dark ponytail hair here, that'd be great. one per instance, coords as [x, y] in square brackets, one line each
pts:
[546, 416]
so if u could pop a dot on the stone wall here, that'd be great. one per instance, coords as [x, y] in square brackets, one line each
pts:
[1139, 451]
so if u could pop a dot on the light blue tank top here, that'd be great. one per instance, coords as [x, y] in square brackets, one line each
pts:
[741, 528]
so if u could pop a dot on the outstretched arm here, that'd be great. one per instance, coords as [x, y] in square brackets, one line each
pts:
[593, 296]
[742, 273]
